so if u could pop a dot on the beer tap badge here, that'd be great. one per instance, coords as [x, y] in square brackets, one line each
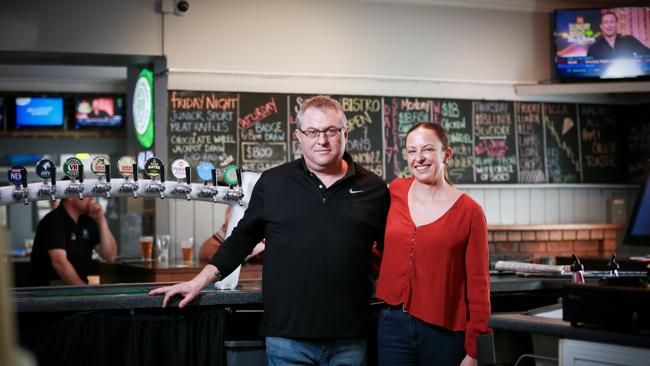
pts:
[15, 175]
[125, 166]
[45, 168]
[98, 166]
[72, 168]
[152, 167]
[205, 170]
[230, 175]
[178, 168]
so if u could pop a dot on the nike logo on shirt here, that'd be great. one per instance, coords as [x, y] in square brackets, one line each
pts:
[353, 191]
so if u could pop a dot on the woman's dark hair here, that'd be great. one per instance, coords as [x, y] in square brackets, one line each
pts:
[440, 132]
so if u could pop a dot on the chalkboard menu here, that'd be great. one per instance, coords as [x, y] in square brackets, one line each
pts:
[295, 101]
[600, 144]
[365, 140]
[495, 153]
[638, 141]
[202, 126]
[263, 131]
[456, 117]
[562, 144]
[400, 114]
[530, 142]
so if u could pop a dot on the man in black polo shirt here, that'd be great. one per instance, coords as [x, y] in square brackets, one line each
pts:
[320, 216]
[65, 239]
[611, 45]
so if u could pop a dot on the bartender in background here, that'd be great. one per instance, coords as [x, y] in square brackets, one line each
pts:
[212, 244]
[65, 239]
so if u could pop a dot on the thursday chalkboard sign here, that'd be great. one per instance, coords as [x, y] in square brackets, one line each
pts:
[456, 117]
[202, 126]
[495, 152]
[365, 139]
[263, 131]
[562, 144]
[638, 141]
[530, 142]
[400, 114]
[601, 143]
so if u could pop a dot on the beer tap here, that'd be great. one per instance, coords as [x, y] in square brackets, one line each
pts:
[127, 168]
[74, 169]
[181, 170]
[101, 166]
[232, 177]
[46, 170]
[206, 173]
[18, 176]
[154, 168]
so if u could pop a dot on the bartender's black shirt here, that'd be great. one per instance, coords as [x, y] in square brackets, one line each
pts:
[317, 266]
[57, 230]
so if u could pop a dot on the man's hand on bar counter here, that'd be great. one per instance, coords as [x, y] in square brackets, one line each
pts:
[190, 289]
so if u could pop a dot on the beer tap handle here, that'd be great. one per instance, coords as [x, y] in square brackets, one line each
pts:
[23, 177]
[108, 173]
[239, 182]
[135, 172]
[214, 177]
[162, 174]
[53, 175]
[188, 175]
[81, 173]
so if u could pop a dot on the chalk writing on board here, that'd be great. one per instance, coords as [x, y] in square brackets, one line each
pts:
[600, 140]
[364, 115]
[400, 114]
[495, 159]
[202, 127]
[262, 131]
[530, 142]
[455, 117]
[562, 144]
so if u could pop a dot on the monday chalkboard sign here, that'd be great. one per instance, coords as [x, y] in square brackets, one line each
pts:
[202, 126]
[495, 152]
[263, 131]
[562, 143]
[400, 114]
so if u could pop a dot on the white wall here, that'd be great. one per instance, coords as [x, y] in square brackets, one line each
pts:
[391, 48]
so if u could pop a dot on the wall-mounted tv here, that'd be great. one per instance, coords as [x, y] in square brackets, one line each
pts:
[606, 43]
[98, 111]
[39, 112]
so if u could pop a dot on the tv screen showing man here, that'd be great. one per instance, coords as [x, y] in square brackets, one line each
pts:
[612, 45]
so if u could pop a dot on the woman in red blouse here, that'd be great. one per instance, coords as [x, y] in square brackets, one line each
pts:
[434, 273]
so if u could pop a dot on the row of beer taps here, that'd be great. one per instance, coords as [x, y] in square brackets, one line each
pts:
[154, 168]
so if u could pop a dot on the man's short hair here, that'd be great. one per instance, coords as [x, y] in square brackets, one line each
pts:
[321, 102]
[602, 15]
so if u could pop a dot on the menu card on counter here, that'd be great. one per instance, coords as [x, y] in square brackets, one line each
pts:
[530, 142]
[562, 143]
[495, 153]
[365, 140]
[202, 127]
[400, 114]
[263, 131]
[600, 142]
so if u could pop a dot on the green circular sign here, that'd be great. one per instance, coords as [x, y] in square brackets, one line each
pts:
[230, 175]
[72, 168]
[143, 108]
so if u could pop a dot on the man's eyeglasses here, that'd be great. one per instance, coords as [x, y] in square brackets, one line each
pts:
[313, 133]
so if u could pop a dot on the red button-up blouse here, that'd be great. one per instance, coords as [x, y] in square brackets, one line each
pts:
[439, 271]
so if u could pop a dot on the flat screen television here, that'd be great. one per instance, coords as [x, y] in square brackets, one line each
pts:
[638, 227]
[39, 112]
[98, 111]
[605, 43]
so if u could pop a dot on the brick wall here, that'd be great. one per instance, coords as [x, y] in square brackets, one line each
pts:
[541, 243]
